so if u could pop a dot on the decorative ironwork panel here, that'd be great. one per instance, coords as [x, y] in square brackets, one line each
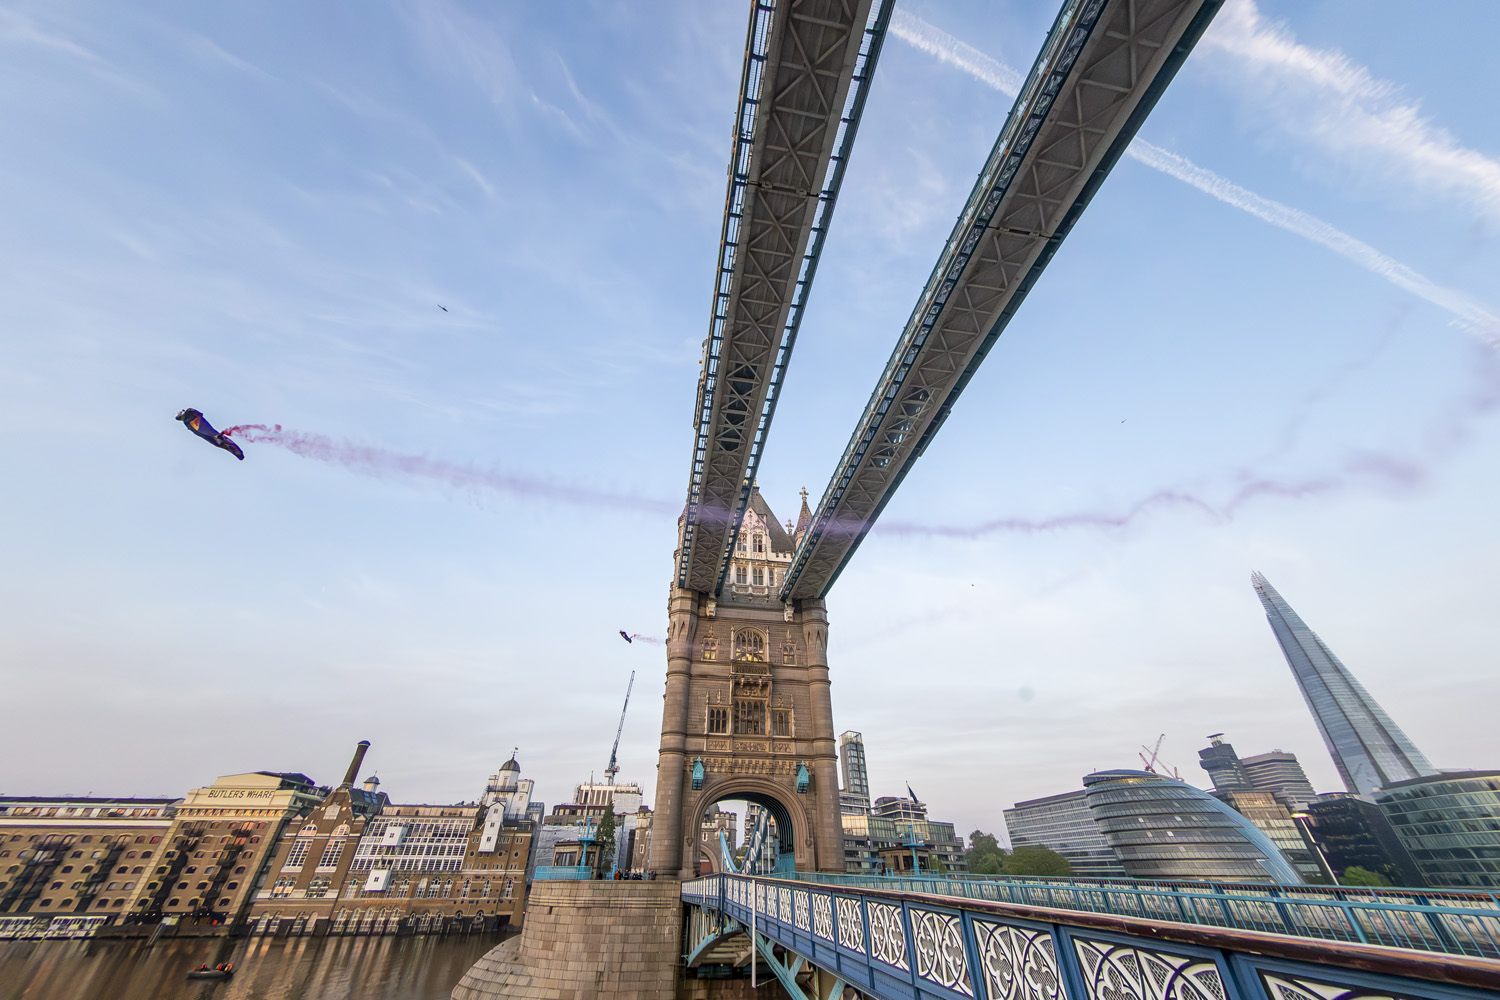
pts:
[799, 907]
[1114, 971]
[851, 927]
[887, 936]
[1018, 963]
[786, 905]
[938, 947]
[822, 909]
[760, 897]
[1285, 987]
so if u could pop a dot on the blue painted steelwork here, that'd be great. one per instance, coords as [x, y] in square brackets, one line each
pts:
[1455, 926]
[1034, 105]
[911, 947]
[563, 873]
[739, 180]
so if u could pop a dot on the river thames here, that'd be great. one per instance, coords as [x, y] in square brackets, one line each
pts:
[330, 968]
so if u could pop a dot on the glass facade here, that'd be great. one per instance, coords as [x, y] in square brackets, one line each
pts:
[1162, 828]
[1063, 823]
[1354, 833]
[1369, 750]
[1279, 773]
[1449, 824]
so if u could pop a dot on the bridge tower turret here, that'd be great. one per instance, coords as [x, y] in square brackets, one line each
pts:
[748, 706]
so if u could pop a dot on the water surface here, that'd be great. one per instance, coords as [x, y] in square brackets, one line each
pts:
[331, 968]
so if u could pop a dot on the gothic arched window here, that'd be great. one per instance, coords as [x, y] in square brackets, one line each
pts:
[710, 648]
[789, 652]
[749, 645]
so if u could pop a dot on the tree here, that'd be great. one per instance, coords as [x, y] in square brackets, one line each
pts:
[1033, 859]
[1355, 875]
[985, 856]
[606, 838]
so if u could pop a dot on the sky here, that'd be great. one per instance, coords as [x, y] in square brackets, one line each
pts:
[466, 250]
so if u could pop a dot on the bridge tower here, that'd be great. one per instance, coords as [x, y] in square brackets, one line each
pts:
[748, 713]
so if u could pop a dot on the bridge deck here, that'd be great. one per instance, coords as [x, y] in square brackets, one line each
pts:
[910, 945]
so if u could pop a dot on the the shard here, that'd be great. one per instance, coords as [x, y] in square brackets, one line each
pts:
[1369, 749]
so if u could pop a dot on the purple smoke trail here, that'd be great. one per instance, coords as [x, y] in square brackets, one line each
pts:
[1444, 436]
[650, 639]
[379, 462]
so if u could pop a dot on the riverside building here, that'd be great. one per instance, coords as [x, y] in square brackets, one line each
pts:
[1064, 824]
[216, 851]
[359, 863]
[78, 857]
[1449, 824]
[1162, 828]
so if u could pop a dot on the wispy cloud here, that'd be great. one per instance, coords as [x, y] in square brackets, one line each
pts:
[17, 28]
[1365, 122]
[1467, 313]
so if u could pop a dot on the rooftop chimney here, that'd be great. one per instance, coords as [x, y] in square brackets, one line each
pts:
[359, 757]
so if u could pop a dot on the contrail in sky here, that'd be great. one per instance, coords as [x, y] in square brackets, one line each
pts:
[1467, 314]
[382, 462]
[1377, 468]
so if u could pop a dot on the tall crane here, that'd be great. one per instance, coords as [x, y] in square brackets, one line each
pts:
[614, 766]
[1155, 761]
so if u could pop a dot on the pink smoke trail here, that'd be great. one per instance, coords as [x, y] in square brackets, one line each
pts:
[648, 639]
[381, 462]
[1388, 469]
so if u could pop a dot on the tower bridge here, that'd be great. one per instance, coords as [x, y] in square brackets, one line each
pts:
[748, 711]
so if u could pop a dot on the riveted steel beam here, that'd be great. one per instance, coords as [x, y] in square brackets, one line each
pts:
[1103, 67]
[808, 66]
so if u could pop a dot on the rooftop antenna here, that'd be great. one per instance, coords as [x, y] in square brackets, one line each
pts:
[614, 751]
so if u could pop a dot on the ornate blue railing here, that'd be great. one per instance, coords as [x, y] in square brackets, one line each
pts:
[917, 945]
[1453, 923]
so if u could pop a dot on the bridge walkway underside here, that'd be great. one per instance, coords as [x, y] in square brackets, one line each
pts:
[910, 946]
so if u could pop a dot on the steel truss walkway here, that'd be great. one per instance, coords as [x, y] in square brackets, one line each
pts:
[808, 65]
[1103, 67]
[829, 943]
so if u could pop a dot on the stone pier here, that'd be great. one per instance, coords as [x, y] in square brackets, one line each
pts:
[587, 940]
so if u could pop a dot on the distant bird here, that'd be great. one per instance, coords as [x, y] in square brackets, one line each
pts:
[1122, 421]
[443, 307]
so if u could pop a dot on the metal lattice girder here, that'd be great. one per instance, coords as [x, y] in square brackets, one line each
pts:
[808, 65]
[1100, 72]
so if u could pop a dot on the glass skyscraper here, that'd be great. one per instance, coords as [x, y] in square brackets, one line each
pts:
[1369, 750]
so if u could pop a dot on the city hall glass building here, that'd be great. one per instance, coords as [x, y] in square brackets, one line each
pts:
[1369, 750]
[1162, 828]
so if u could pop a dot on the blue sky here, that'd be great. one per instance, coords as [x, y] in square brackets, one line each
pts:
[257, 210]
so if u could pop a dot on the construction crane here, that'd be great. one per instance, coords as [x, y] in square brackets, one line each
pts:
[1154, 760]
[614, 765]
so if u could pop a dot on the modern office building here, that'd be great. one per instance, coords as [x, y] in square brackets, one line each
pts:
[1223, 766]
[1063, 823]
[1351, 832]
[1450, 824]
[1163, 828]
[1271, 816]
[1369, 750]
[852, 762]
[1279, 773]
[908, 818]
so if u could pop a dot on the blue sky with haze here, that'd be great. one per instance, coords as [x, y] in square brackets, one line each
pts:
[257, 209]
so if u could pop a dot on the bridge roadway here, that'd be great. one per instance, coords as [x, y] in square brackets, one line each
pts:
[1103, 67]
[829, 937]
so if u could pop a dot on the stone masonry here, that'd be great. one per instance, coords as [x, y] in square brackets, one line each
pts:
[587, 940]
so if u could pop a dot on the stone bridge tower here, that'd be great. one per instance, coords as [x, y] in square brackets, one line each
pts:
[748, 714]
